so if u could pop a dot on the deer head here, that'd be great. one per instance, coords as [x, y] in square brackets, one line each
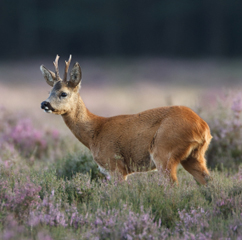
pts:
[64, 93]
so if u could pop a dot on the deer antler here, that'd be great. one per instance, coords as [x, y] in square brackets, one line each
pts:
[66, 69]
[56, 68]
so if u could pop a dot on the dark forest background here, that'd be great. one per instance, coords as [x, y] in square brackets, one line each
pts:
[172, 28]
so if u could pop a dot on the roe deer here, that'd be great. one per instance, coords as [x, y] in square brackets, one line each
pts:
[158, 138]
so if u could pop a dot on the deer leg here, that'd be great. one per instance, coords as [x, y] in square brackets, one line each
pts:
[195, 164]
[113, 168]
[197, 167]
[166, 158]
[171, 170]
[167, 151]
[166, 164]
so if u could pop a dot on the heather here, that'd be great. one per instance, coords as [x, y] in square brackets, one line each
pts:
[50, 188]
[19, 136]
[226, 127]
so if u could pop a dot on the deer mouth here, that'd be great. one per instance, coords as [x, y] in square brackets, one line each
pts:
[47, 107]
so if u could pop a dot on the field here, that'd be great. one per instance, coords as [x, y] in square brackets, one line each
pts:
[50, 188]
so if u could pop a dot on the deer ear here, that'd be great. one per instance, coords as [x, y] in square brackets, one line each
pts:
[48, 75]
[76, 76]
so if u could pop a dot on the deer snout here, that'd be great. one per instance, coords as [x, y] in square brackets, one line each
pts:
[44, 104]
[46, 107]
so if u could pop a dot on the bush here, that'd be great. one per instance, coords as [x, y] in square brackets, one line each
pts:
[144, 207]
[19, 134]
[19, 197]
[79, 162]
[225, 150]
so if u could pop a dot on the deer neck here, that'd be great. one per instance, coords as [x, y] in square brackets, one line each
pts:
[82, 122]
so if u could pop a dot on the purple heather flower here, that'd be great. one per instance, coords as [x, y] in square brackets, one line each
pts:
[55, 133]
[237, 104]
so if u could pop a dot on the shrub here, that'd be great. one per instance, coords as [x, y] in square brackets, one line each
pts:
[226, 127]
[123, 224]
[19, 198]
[79, 162]
[20, 134]
[27, 139]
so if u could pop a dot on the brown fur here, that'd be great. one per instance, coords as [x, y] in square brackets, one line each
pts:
[158, 138]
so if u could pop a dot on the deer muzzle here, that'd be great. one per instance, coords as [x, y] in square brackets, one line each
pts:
[47, 107]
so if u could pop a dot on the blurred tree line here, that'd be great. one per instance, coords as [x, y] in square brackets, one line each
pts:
[179, 28]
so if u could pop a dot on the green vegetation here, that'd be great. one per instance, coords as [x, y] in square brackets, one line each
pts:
[49, 193]
[35, 202]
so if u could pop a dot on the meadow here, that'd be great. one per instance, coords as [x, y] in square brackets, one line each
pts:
[50, 188]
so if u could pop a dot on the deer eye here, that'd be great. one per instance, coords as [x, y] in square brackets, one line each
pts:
[63, 94]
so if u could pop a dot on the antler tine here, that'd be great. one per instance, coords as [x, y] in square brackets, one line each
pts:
[66, 69]
[56, 68]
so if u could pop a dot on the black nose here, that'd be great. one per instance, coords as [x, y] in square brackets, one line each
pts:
[44, 104]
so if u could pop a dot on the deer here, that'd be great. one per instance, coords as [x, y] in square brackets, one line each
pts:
[156, 139]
